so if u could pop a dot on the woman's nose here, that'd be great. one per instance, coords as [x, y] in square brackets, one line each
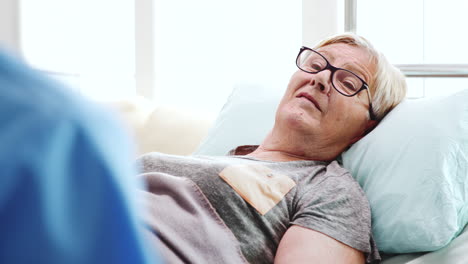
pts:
[321, 80]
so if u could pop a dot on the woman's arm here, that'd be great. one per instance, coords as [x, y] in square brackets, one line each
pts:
[303, 245]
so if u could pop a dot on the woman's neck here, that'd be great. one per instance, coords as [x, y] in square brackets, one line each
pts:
[276, 147]
[276, 155]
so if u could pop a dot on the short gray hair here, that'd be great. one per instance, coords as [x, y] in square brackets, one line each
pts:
[388, 85]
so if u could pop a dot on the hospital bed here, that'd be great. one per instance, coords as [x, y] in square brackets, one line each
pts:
[420, 149]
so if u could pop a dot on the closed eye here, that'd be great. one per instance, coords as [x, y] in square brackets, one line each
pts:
[350, 85]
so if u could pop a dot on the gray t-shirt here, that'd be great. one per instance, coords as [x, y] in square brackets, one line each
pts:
[317, 195]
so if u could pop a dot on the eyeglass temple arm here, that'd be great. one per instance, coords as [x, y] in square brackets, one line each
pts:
[371, 110]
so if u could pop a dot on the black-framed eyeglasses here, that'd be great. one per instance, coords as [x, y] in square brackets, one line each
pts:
[344, 81]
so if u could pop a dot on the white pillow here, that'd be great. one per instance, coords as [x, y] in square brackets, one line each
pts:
[414, 170]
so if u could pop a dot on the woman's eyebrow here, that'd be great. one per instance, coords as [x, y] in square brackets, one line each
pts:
[327, 55]
[354, 67]
[357, 69]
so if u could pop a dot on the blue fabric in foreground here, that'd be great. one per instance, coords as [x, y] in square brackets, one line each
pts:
[66, 181]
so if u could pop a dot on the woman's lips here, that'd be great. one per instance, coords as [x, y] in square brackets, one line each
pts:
[310, 98]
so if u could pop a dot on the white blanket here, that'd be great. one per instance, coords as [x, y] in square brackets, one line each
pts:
[455, 253]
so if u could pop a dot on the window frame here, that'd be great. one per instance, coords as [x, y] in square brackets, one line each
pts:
[425, 70]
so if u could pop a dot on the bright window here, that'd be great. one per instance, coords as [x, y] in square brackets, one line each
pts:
[203, 48]
[87, 44]
[418, 32]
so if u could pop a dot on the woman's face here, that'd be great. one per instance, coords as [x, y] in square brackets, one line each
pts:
[312, 107]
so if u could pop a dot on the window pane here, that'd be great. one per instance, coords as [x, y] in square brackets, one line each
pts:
[93, 41]
[445, 36]
[418, 32]
[207, 46]
[394, 27]
[50, 34]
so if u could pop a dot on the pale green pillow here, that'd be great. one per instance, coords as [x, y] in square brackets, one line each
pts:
[414, 170]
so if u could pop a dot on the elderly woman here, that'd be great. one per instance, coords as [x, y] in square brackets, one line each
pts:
[287, 200]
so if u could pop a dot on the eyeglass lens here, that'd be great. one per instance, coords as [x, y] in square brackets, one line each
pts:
[343, 80]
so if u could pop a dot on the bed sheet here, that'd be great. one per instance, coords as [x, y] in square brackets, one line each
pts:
[454, 253]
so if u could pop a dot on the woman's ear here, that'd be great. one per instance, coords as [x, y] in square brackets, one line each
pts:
[370, 125]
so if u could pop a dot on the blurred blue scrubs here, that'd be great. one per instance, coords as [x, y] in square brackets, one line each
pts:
[66, 179]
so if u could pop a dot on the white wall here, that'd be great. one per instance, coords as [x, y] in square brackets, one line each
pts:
[320, 19]
[9, 25]
[144, 48]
